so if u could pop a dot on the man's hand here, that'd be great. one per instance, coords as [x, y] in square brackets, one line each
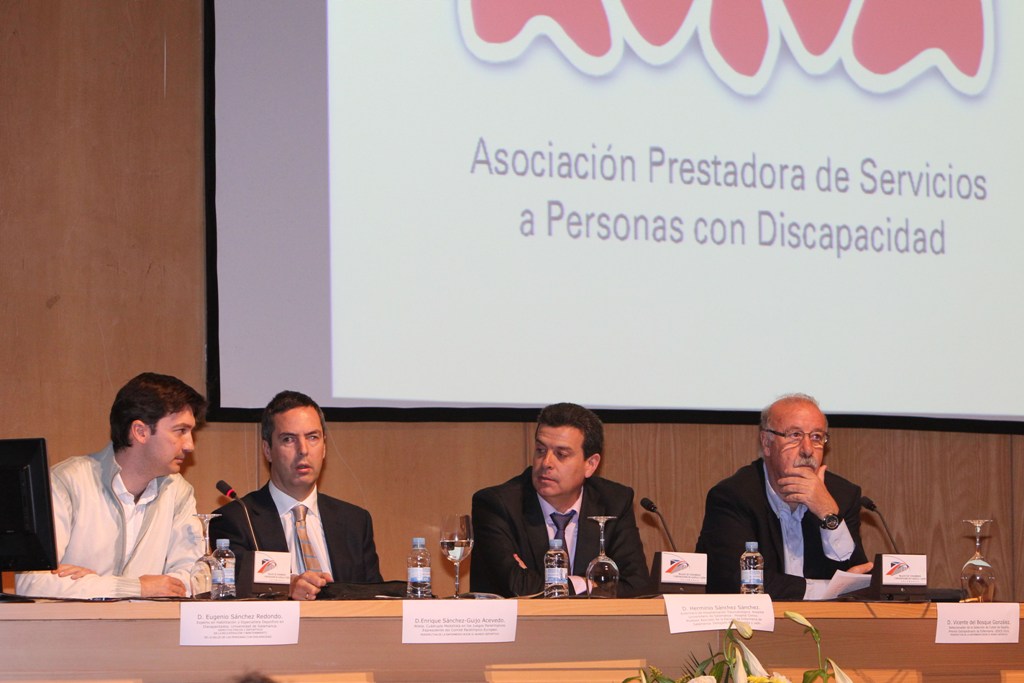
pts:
[862, 568]
[75, 572]
[161, 586]
[804, 485]
[306, 585]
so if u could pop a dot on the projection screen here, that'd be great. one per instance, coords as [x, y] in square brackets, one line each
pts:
[690, 206]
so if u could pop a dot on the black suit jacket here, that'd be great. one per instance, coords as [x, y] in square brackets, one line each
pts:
[507, 520]
[737, 511]
[348, 531]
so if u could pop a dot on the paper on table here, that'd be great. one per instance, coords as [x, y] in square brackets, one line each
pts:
[845, 582]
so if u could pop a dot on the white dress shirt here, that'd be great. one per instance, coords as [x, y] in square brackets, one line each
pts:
[838, 543]
[579, 582]
[314, 528]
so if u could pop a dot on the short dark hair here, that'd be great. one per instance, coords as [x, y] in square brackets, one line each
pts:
[572, 415]
[149, 397]
[285, 401]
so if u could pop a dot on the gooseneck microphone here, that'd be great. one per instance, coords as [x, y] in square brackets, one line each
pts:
[648, 504]
[226, 489]
[870, 505]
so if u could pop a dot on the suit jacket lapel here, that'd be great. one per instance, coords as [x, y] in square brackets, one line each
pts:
[535, 527]
[588, 537]
[266, 522]
[778, 548]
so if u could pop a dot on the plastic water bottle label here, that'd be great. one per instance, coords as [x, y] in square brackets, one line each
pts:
[419, 574]
[752, 576]
[556, 575]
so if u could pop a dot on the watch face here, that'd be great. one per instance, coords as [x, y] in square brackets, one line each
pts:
[831, 522]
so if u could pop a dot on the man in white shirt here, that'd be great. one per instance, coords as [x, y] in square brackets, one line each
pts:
[768, 502]
[328, 539]
[125, 517]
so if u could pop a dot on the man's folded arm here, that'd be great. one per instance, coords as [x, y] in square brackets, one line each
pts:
[495, 566]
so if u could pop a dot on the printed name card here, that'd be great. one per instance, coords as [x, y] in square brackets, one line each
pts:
[904, 570]
[459, 621]
[685, 568]
[978, 622]
[239, 623]
[687, 613]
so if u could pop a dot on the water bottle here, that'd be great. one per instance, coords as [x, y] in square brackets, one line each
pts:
[556, 570]
[223, 572]
[418, 564]
[751, 570]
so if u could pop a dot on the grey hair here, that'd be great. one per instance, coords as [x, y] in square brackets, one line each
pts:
[786, 397]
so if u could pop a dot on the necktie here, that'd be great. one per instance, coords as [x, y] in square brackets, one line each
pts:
[561, 521]
[305, 547]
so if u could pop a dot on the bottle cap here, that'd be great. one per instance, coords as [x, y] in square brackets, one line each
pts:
[223, 543]
[556, 544]
[419, 542]
[751, 546]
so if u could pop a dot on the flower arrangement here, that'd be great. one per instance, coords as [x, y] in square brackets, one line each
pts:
[737, 664]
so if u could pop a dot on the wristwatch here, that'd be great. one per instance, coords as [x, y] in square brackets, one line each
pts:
[830, 522]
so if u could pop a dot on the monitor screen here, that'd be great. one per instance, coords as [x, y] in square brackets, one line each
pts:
[26, 510]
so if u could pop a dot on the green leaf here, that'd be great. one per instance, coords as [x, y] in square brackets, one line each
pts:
[815, 675]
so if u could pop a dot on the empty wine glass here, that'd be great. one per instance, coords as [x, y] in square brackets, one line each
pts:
[977, 578]
[201, 574]
[457, 541]
[602, 572]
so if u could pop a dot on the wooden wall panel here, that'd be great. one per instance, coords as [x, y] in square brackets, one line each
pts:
[101, 203]
[102, 277]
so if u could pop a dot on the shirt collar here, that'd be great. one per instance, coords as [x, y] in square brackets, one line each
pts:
[285, 503]
[546, 508]
[126, 496]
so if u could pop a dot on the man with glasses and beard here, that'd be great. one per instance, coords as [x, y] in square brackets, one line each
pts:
[806, 520]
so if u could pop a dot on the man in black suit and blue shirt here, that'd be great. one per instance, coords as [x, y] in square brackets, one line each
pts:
[805, 519]
[328, 539]
[514, 522]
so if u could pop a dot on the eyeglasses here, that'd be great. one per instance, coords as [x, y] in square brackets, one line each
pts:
[818, 439]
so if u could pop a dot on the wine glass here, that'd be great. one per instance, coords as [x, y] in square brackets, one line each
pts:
[602, 572]
[201, 574]
[457, 541]
[977, 578]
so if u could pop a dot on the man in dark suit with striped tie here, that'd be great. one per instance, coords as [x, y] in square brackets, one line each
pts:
[553, 498]
[327, 538]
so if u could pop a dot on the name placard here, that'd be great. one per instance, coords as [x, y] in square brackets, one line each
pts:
[239, 623]
[687, 613]
[459, 621]
[977, 622]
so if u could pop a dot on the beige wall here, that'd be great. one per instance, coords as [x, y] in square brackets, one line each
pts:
[102, 277]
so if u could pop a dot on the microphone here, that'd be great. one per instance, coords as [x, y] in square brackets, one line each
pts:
[648, 504]
[870, 505]
[226, 489]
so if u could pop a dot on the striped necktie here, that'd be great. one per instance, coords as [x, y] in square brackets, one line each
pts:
[305, 547]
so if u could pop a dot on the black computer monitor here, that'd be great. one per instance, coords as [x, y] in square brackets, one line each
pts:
[26, 510]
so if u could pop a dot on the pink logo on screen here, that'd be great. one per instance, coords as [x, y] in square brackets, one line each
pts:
[881, 44]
